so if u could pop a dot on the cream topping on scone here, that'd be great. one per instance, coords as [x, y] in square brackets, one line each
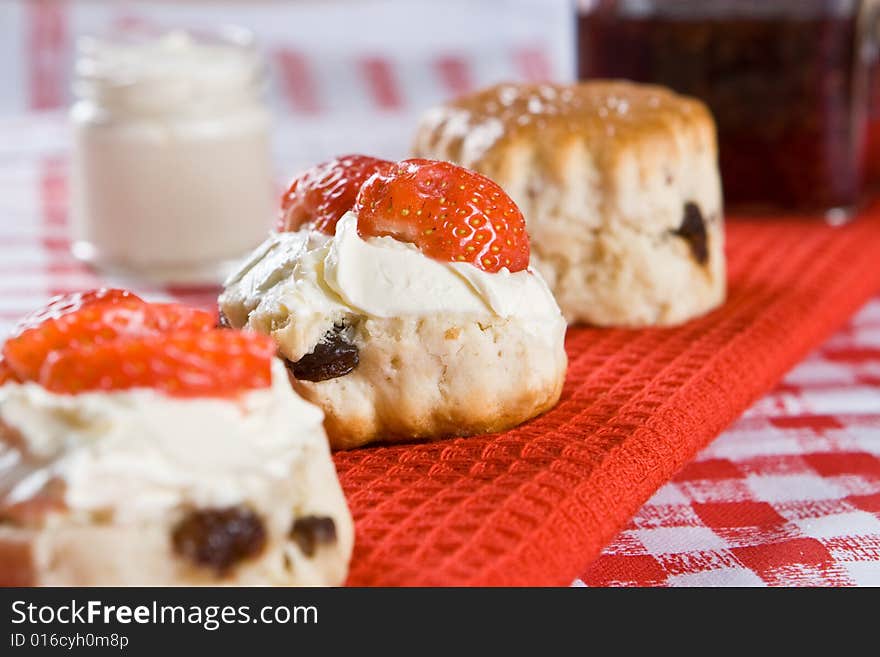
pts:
[383, 277]
[320, 280]
[138, 453]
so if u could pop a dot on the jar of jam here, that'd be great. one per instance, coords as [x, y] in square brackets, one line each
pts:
[873, 147]
[787, 81]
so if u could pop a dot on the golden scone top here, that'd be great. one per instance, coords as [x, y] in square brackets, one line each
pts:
[469, 128]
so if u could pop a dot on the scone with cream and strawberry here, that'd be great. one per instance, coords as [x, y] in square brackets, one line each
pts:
[139, 445]
[402, 297]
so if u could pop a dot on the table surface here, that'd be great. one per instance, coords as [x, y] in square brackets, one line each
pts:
[789, 495]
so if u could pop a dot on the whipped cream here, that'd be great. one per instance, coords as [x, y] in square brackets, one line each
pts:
[383, 277]
[170, 144]
[139, 453]
[300, 283]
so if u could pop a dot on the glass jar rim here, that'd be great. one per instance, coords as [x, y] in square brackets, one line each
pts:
[160, 71]
[701, 9]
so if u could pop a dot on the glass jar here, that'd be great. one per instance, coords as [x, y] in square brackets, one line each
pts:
[171, 170]
[785, 79]
[873, 147]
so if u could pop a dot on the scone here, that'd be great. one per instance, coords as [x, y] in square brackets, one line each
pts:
[139, 445]
[619, 186]
[414, 315]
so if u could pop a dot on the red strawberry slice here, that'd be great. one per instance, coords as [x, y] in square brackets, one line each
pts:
[217, 363]
[67, 303]
[319, 197]
[6, 373]
[450, 213]
[168, 317]
[92, 318]
[95, 322]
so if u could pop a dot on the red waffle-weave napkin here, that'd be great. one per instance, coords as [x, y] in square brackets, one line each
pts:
[533, 506]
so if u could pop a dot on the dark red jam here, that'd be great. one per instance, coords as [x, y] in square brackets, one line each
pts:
[786, 81]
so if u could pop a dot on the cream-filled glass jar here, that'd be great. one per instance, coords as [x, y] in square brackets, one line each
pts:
[171, 168]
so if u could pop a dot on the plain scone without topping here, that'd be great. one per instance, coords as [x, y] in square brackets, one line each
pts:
[619, 186]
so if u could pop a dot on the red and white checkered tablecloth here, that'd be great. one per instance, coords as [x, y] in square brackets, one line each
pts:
[790, 494]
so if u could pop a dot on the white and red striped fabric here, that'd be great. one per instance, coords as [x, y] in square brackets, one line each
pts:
[789, 495]
[344, 75]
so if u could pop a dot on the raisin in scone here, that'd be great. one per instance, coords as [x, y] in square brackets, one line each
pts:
[414, 315]
[619, 186]
[151, 449]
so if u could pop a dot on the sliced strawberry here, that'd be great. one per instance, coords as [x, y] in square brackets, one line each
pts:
[90, 320]
[6, 373]
[450, 213]
[95, 322]
[67, 303]
[175, 316]
[213, 363]
[113, 340]
[320, 196]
